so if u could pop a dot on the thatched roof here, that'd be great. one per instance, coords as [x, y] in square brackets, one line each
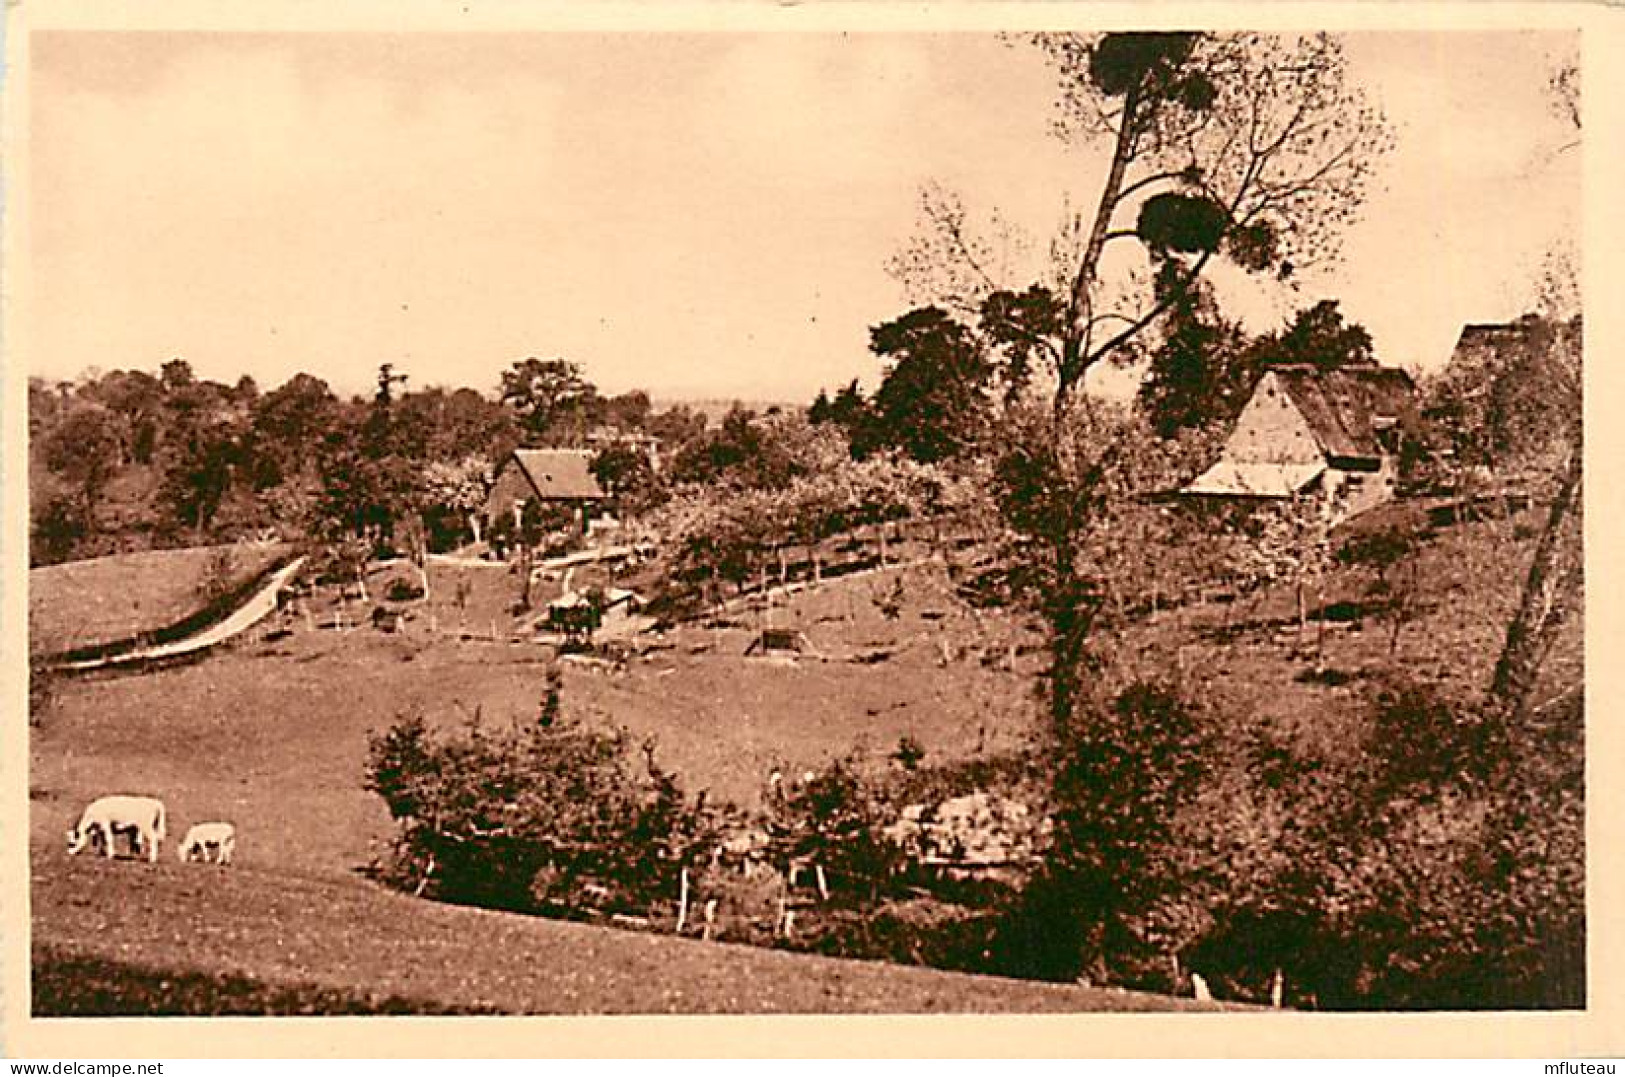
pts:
[1504, 344]
[1346, 407]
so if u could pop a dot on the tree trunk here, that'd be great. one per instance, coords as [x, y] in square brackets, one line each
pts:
[1320, 630]
[1073, 358]
[1398, 614]
[1549, 594]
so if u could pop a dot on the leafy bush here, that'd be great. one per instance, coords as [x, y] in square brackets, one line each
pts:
[218, 577]
[910, 753]
[1125, 770]
[834, 819]
[1418, 869]
[556, 817]
[60, 530]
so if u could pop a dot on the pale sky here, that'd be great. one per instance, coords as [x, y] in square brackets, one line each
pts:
[700, 215]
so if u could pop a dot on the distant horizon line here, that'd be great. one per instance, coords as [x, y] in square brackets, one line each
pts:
[343, 390]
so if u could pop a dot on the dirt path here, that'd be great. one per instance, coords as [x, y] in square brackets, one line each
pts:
[258, 606]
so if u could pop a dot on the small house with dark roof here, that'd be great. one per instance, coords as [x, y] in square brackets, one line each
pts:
[559, 476]
[1309, 432]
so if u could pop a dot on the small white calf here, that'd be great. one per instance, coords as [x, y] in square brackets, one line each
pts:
[202, 837]
[143, 815]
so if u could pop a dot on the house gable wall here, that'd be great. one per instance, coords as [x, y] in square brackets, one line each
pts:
[1271, 429]
[1294, 422]
[510, 486]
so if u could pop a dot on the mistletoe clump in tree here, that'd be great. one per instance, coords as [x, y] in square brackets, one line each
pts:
[1246, 147]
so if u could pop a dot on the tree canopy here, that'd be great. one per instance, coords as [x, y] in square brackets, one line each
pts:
[932, 402]
[553, 397]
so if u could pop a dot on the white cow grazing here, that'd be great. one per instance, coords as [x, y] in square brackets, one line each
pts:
[143, 815]
[202, 837]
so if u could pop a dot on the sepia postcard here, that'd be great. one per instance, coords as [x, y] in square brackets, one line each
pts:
[630, 527]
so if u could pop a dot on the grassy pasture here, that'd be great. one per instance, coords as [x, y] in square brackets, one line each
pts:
[1251, 659]
[69, 985]
[196, 939]
[274, 736]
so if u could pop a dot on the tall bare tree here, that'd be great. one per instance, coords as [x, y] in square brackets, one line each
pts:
[1251, 147]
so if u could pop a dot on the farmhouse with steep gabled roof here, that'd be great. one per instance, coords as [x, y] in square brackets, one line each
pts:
[1482, 344]
[1307, 431]
[548, 475]
[1492, 405]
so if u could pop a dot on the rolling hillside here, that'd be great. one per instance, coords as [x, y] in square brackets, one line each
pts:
[273, 736]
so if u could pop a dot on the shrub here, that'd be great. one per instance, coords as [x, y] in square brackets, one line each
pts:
[834, 819]
[59, 533]
[1125, 771]
[910, 753]
[1417, 870]
[217, 579]
[546, 818]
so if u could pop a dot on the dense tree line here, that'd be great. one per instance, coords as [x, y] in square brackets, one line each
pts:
[130, 460]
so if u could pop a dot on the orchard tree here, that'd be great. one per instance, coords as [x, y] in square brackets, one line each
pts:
[626, 472]
[457, 488]
[754, 452]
